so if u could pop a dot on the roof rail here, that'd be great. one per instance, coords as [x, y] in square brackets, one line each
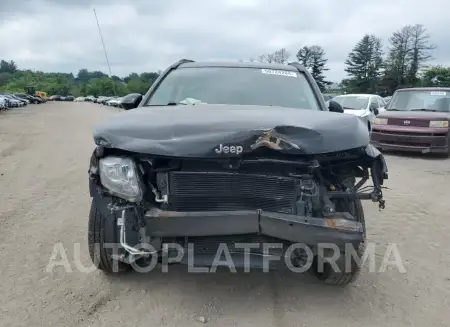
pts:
[180, 62]
[297, 65]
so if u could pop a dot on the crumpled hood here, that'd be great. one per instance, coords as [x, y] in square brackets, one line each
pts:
[355, 112]
[229, 130]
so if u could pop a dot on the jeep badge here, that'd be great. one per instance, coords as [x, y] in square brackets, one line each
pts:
[234, 149]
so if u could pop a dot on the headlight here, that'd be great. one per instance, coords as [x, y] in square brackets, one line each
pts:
[439, 123]
[119, 176]
[380, 121]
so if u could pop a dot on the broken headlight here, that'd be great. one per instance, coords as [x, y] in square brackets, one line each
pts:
[120, 177]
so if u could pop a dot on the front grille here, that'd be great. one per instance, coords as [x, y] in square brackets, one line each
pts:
[210, 191]
[409, 122]
[403, 133]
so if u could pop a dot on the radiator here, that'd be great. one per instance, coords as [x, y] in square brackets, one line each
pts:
[209, 191]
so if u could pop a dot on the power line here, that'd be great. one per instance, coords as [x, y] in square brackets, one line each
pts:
[104, 49]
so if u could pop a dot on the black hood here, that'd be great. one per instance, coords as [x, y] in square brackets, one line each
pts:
[198, 130]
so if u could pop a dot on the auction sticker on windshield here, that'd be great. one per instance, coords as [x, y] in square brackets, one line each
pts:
[278, 72]
[438, 93]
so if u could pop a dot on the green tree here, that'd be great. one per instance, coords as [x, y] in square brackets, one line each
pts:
[419, 51]
[436, 76]
[304, 56]
[363, 65]
[8, 67]
[314, 59]
[410, 49]
[84, 83]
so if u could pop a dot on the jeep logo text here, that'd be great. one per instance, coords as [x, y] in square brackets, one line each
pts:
[234, 149]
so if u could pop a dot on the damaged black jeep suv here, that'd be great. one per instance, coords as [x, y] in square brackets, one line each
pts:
[228, 154]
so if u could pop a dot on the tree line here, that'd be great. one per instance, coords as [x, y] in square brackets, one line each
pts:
[84, 83]
[370, 67]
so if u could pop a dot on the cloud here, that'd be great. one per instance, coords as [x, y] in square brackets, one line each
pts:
[57, 35]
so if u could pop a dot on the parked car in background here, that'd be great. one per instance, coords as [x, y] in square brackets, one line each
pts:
[90, 98]
[114, 102]
[130, 101]
[104, 100]
[365, 106]
[99, 98]
[69, 98]
[79, 99]
[54, 98]
[32, 99]
[416, 120]
[24, 101]
[15, 103]
[4, 103]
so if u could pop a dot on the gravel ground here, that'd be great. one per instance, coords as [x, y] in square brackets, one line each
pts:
[44, 153]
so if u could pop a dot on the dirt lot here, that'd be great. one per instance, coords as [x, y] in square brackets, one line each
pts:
[44, 152]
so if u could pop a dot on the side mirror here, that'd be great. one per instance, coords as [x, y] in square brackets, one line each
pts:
[131, 103]
[376, 111]
[334, 106]
[372, 107]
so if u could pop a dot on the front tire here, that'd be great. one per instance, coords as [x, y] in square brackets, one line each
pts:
[344, 276]
[102, 233]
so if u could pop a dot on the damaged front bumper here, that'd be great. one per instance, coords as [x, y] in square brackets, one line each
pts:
[338, 228]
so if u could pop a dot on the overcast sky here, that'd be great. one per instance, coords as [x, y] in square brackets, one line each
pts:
[148, 35]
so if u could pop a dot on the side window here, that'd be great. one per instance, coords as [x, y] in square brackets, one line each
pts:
[374, 100]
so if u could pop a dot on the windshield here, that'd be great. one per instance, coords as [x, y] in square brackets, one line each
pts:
[239, 86]
[420, 100]
[352, 102]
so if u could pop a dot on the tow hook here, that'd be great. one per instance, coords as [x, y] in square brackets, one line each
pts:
[377, 196]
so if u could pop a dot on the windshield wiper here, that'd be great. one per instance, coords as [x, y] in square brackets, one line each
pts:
[393, 109]
[175, 104]
[162, 105]
[349, 108]
[422, 109]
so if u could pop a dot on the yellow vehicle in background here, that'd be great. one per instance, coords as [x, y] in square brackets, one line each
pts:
[42, 95]
[31, 90]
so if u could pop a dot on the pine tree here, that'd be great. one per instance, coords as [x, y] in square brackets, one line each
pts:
[364, 63]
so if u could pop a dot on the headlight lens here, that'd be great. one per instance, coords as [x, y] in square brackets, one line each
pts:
[439, 123]
[119, 176]
[380, 121]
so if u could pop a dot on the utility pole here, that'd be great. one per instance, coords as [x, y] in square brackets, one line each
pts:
[106, 55]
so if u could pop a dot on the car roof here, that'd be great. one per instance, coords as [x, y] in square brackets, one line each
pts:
[424, 89]
[234, 64]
